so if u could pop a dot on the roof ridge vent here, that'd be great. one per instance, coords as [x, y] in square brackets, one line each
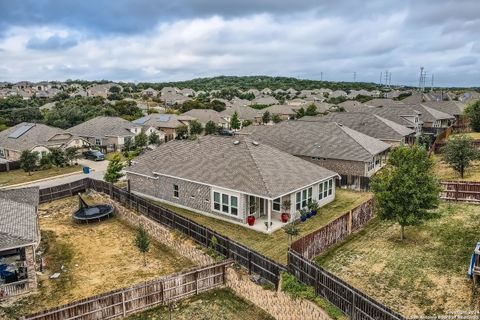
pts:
[255, 143]
[236, 142]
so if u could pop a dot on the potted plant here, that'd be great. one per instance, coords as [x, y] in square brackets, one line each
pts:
[303, 215]
[313, 207]
[251, 220]
[286, 209]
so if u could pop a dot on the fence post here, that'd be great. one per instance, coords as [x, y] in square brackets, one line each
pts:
[196, 282]
[70, 188]
[123, 304]
[110, 190]
[249, 262]
[353, 317]
[456, 191]
[349, 223]
[224, 275]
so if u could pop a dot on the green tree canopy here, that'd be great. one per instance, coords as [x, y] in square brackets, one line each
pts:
[276, 118]
[210, 127]
[141, 140]
[142, 242]
[406, 189]
[154, 138]
[266, 117]
[311, 110]
[473, 113]
[57, 157]
[115, 166]
[235, 121]
[28, 161]
[182, 132]
[195, 127]
[459, 152]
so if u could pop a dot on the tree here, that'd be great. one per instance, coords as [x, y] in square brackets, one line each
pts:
[300, 113]
[210, 127]
[142, 242]
[154, 138]
[182, 132]
[406, 189]
[311, 110]
[246, 123]
[141, 140]
[459, 152]
[266, 117]
[292, 230]
[473, 113]
[235, 122]
[195, 127]
[70, 154]
[115, 166]
[276, 118]
[57, 157]
[28, 161]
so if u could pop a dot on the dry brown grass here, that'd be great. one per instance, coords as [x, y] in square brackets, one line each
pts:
[96, 257]
[473, 135]
[444, 172]
[425, 274]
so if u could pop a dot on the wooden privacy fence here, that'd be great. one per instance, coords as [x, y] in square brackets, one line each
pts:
[123, 302]
[252, 260]
[316, 242]
[13, 289]
[354, 303]
[468, 191]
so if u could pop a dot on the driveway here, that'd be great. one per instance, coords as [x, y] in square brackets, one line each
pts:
[98, 169]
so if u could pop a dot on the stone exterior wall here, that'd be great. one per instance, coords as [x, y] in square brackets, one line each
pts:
[31, 272]
[345, 167]
[191, 195]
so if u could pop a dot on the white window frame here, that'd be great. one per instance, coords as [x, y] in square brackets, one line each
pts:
[305, 197]
[225, 202]
[98, 141]
[277, 201]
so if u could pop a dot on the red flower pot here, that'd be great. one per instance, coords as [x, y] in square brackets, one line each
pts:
[250, 220]
[285, 217]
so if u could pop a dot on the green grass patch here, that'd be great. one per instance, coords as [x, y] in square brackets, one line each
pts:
[423, 275]
[20, 176]
[217, 304]
[298, 290]
[444, 172]
[275, 245]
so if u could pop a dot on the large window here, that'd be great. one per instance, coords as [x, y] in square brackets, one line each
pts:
[98, 141]
[175, 191]
[302, 198]
[277, 204]
[325, 189]
[225, 203]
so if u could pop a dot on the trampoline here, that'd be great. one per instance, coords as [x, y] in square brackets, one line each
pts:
[86, 213]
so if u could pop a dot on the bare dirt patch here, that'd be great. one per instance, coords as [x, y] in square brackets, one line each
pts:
[92, 258]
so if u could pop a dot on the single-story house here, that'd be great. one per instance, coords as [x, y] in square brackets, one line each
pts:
[331, 145]
[205, 115]
[109, 133]
[244, 113]
[167, 124]
[19, 238]
[231, 178]
[150, 92]
[370, 124]
[36, 137]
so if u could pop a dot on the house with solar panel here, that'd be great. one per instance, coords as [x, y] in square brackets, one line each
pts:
[167, 124]
[36, 137]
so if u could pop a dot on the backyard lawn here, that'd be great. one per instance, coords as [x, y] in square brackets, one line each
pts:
[275, 246]
[91, 258]
[444, 172]
[473, 135]
[424, 275]
[217, 304]
[20, 176]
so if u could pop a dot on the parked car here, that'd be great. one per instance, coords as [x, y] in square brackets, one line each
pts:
[94, 155]
[225, 132]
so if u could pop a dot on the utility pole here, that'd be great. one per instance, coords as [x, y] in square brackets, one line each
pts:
[386, 77]
[321, 76]
[431, 87]
[380, 77]
[421, 81]
[355, 76]
[389, 79]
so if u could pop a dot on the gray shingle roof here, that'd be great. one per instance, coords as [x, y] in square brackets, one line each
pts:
[453, 108]
[18, 214]
[164, 120]
[244, 113]
[318, 139]
[205, 115]
[104, 127]
[253, 169]
[369, 124]
[37, 135]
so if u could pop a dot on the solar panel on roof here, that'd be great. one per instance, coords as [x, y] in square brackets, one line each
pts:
[163, 118]
[141, 120]
[20, 131]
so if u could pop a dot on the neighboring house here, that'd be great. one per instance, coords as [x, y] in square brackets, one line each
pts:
[351, 105]
[352, 154]
[19, 239]
[255, 92]
[172, 99]
[165, 123]
[187, 92]
[205, 115]
[338, 93]
[108, 133]
[101, 90]
[453, 108]
[286, 112]
[231, 178]
[400, 114]
[266, 100]
[295, 102]
[267, 91]
[237, 102]
[150, 92]
[36, 137]
[244, 113]
[370, 124]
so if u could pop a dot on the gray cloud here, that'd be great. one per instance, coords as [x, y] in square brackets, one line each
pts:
[51, 43]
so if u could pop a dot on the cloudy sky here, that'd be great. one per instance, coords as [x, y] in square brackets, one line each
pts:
[147, 40]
